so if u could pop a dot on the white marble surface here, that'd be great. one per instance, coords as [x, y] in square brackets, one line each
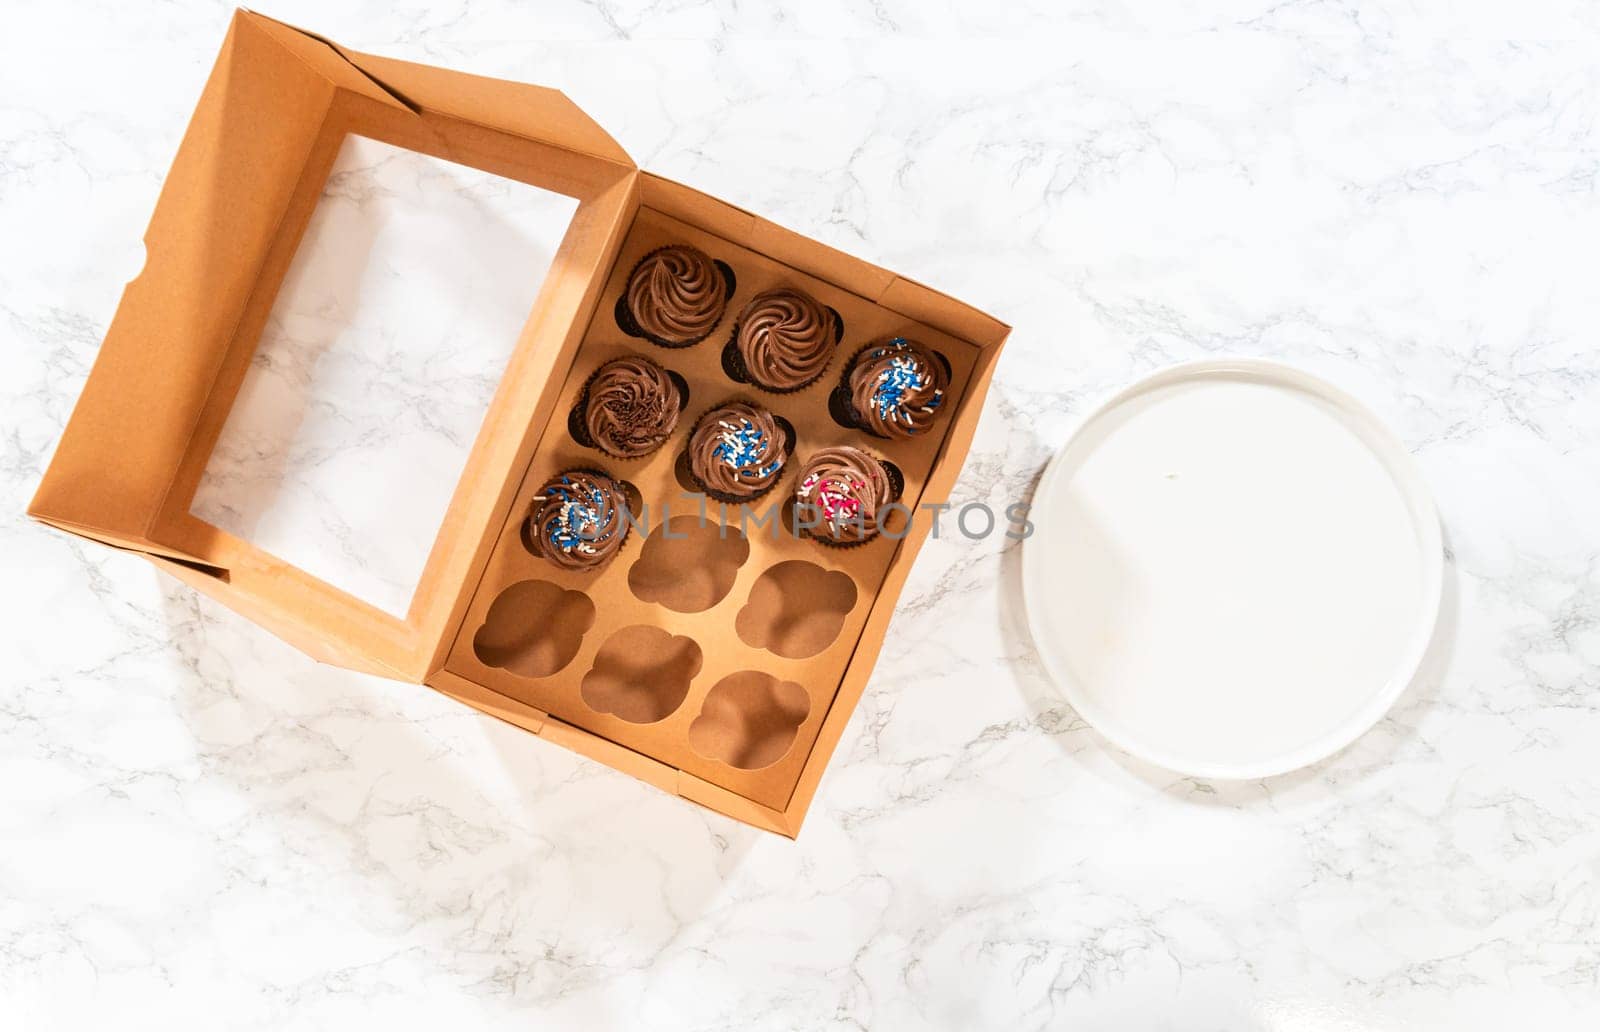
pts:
[201, 828]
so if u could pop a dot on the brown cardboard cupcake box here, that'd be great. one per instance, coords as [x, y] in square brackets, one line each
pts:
[714, 658]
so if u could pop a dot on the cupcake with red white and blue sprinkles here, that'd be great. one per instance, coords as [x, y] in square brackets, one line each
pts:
[737, 451]
[896, 388]
[843, 495]
[577, 520]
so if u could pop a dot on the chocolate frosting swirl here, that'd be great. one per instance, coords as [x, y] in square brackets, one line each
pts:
[577, 521]
[737, 450]
[676, 294]
[896, 388]
[631, 405]
[785, 337]
[843, 491]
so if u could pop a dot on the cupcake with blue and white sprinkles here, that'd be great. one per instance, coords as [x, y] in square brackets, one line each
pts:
[577, 520]
[737, 451]
[896, 388]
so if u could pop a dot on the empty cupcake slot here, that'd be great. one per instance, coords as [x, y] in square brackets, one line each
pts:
[641, 674]
[796, 609]
[534, 628]
[688, 563]
[749, 720]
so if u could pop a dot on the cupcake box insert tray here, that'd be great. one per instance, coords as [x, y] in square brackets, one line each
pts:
[716, 663]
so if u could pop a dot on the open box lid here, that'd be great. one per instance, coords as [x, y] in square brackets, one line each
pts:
[242, 187]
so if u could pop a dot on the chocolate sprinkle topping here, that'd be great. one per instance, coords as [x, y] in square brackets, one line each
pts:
[631, 407]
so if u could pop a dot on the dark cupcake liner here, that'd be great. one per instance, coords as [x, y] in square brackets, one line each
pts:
[897, 484]
[578, 426]
[790, 438]
[624, 315]
[827, 541]
[843, 409]
[897, 479]
[630, 492]
[733, 363]
[841, 546]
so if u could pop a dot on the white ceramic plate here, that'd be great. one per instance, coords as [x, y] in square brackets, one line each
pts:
[1235, 569]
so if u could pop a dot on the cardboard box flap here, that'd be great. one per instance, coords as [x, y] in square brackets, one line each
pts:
[279, 598]
[925, 304]
[532, 112]
[326, 58]
[139, 545]
[217, 217]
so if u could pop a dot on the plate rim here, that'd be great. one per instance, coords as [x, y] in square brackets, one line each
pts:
[1402, 468]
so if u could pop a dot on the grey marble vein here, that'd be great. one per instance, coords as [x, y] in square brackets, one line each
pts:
[198, 826]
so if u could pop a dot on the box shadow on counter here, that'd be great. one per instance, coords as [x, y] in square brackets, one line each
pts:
[333, 767]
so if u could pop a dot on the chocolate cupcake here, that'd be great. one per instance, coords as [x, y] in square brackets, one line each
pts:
[675, 296]
[737, 452]
[895, 389]
[783, 340]
[577, 520]
[629, 407]
[842, 494]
